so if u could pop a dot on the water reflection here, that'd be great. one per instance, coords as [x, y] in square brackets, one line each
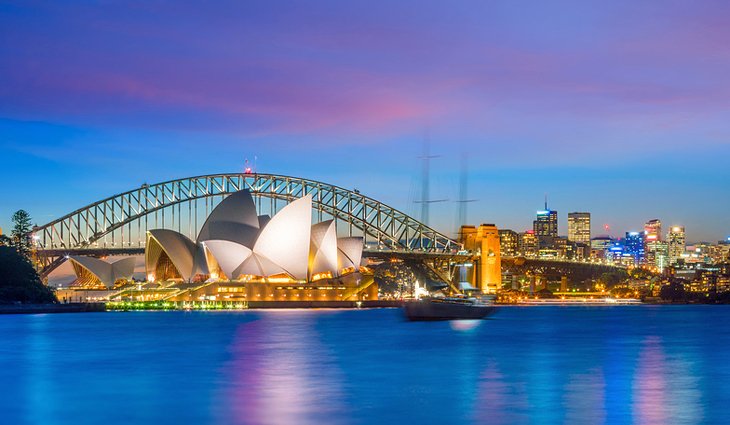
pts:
[584, 397]
[464, 325]
[526, 365]
[500, 400]
[650, 387]
[665, 390]
[281, 374]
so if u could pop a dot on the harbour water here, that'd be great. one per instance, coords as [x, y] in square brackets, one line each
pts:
[544, 364]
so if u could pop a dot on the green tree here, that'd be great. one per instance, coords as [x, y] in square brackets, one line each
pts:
[19, 282]
[21, 231]
[673, 292]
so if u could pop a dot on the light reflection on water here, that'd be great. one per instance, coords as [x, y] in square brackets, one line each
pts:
[636, 364]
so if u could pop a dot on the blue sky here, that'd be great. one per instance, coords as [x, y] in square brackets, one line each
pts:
[616, 108]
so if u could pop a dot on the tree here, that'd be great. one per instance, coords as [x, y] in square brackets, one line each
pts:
[21, 231]
[19, 282]
[673, 292]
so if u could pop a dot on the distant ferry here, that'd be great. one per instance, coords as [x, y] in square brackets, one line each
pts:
[447, 308]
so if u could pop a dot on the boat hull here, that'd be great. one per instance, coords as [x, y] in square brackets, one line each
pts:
[439, 310]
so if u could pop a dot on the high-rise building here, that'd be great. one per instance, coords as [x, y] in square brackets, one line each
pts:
[579, 227]
[634, 246]
[652, 233]
[676, 242]
[527, 245]
[656, 254]
[653, 230]
[546, 227]
[508, 242]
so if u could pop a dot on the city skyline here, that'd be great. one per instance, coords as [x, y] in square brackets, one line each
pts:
[615, 109]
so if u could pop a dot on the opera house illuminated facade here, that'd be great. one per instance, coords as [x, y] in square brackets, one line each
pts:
[240, 256]
[95, 273]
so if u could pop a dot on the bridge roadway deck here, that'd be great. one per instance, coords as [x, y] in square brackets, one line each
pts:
[384, 254]
[369, 253]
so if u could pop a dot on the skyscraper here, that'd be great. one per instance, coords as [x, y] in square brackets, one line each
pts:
[508, 242]
[656, 254]
[579, 227]
[652, 237]
[546, 227]
[676, 243]
[634, 245]
[527, 244]
[653, 230]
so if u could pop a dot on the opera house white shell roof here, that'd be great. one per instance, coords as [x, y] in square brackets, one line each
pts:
[105, 272]
[241, 242]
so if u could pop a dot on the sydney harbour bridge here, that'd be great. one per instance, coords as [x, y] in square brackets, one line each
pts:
[118, 224]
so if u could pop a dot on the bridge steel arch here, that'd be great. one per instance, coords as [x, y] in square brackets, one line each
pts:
[390, 228]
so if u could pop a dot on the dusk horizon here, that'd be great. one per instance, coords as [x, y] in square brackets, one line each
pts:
[615, 109]
[364, 211]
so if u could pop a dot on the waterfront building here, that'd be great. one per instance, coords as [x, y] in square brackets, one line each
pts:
[241, 256]
[546, 227]
[508, 242]
[579, 227]
[528, 245]
[720, 252]
[94, 273]
[676, 243]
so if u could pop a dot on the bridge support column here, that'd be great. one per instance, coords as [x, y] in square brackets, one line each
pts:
[563, 283]
[485, 240]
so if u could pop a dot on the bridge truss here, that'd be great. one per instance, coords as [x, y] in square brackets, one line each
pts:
[121, 221]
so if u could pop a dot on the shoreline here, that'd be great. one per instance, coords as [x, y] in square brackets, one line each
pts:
[282, 305]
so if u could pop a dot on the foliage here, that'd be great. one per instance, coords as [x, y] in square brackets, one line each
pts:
[623, 292]
[19, 282]
[641, 273]
[611, 279]
[673, 292]
[395, 280]
[545, 293]
[21, 230]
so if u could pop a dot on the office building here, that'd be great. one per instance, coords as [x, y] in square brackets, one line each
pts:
[579, 227]
[508, 242]
[676, 243]
[546, 227]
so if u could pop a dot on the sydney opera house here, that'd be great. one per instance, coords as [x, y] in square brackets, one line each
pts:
[240, 256]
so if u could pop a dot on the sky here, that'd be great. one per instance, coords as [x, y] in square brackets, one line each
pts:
[619, 108]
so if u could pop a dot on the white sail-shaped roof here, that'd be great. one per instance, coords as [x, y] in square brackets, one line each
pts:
[264, 220]
[234, 219]
[323, 248]
[123, 269]
[178, 247]
[285, 240]
[99, 268]
[229, 255]
[349, 252]
[107, 273]
[259, 265]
